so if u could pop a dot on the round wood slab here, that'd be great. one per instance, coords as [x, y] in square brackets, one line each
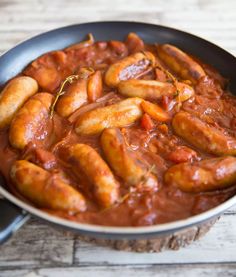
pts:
[172, 241]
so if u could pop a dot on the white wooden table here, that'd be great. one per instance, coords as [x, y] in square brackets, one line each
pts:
[40, 250]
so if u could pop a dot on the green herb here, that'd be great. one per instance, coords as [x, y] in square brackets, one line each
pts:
[83, 74]
[171, 77]
[120, 201]
[146, 175]
[176, 93]
[132, 189]
[69, 80]
[150, 61]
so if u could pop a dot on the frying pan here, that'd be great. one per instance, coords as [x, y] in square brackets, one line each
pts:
[13, 211]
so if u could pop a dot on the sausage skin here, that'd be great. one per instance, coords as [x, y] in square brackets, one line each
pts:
[203, 136]
[121, 114]
[206, 175]
[45, 189]
[13, 96]
[128, 68]
[124, 165]
[106, 188]
[154, 90]
[180, 63]
[30, 119]
[74, 98]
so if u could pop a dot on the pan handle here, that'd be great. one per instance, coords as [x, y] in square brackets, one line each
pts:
[11, 219]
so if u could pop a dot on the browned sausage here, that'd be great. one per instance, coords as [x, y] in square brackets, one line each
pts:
[180, 62]
[206, 175]
[203, 136]
[154, 90]
[13, 96]
[45, 189]
[128, 68]
[74, 98]
[121, 114]
[124, 165]
[85, 158]
[30, 120]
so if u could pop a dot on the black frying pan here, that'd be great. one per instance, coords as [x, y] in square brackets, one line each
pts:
[14, 212]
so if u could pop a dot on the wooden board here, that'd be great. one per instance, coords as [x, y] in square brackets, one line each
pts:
[41, 250]
[137, 271]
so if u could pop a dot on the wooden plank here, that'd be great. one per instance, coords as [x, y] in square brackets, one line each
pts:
[148, 5]
[196, 17]
[38, 244]
[198, 20]
[121, 5]
[221, 34]
[89, 9]
[231, 210]
[212, 270]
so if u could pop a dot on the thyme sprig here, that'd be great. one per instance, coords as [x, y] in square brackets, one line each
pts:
[151, 61]
[120, 201]
[131, 190]
[146, 175]
[172, 78]
[83, 74]
[168, 74]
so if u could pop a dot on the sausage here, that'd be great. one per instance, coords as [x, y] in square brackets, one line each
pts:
[85, 158]
[128, 68]
[44, 189]
[124, 165]
[180, 63]
[74, 98]
[203, 136]
[206, 175]
[30, 120]
[13, 96]
[154, 90]
[121, 114]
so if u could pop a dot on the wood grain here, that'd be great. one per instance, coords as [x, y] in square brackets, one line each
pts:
[222, 270]
[40, 245]
[213, 20]
[41, 250]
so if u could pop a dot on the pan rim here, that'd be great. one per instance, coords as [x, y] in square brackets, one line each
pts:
[115, 22]
[100, 229]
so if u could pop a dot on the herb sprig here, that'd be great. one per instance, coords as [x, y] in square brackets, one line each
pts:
[83, 74]
[132, 189]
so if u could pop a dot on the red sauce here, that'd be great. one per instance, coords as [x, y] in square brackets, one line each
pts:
[156, 146]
